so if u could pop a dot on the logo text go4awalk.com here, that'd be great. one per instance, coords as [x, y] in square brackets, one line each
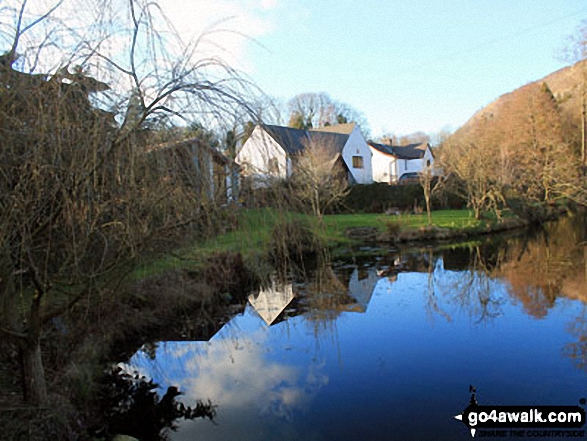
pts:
[557, 419]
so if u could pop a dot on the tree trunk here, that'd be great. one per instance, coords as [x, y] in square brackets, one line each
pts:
[583, 134]
[35, 389]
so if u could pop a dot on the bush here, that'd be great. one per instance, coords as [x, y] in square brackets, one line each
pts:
[292, 242]
[379, 197]
[393, 228]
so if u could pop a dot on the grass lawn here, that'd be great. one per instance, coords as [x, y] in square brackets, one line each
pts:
[337, 224]
[254, 229]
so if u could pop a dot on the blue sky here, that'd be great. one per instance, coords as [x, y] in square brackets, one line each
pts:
[407, 65]
[412, 65]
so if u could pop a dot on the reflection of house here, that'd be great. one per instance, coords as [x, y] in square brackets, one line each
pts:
[271, 151]
[271, 301]
[396, 164]
[361, 286]
[201, 167]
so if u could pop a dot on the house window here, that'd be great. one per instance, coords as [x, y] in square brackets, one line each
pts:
[357, 162]
[428, 163]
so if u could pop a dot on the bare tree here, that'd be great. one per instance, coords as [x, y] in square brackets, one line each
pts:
[520, 154]
[84, 193]
[316, 110]
[431, 183]
[319, 178]
[411, 138]
[576, 51]
[471, 159]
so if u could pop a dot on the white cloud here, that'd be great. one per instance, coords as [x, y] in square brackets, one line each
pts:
[236, 372]
[225, 28]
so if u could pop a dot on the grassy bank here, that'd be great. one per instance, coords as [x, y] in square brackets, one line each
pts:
[255, 226]
[252, 234]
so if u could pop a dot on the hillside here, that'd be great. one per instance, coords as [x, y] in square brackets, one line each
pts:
[565, 85]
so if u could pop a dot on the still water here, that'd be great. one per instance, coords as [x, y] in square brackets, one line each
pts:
[386, 347]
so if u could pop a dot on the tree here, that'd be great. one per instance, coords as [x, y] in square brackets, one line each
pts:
[319, 178]
[545, 164]
[411, 138]
[520, 155]
[297, 121]
[575, 51]
[84, 192]
[431, 182]
[472, 160]
[316, 110]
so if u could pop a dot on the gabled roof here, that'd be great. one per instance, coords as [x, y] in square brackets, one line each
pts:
[411, 151]
[295, 141]
[271, 301]
[383, 148]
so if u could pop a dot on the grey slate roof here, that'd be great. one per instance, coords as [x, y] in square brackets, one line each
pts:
[383, 148]
[295, 141]
[411, 151]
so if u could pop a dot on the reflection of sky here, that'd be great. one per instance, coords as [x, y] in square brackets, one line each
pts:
[414, 352]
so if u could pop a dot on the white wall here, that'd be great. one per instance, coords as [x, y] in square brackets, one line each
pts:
[356, 146]
[384, 167]
[255, 154]
[387, 168]
[415, 165]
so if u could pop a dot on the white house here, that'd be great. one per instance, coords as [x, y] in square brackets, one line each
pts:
[272, 301]
[395, 164]
[271, 151]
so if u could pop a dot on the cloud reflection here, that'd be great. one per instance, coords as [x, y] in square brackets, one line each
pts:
[239, 375]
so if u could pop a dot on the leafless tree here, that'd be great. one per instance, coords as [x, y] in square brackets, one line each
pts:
[431, 183]
[522, 153]
[576, 51]
[319, 178]
[84, 193]
[315, 110]
[471, 160]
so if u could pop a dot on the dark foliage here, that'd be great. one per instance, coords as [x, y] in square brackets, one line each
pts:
[226, 273]
[292, 242]
[380, 197]
[132, 407]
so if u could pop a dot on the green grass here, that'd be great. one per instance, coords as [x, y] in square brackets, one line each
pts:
[253, 231]
[249, 238]
[452, 219]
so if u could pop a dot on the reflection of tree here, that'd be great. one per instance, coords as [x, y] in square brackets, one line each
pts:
[132, 407]
[326, 295]
[473, 291]
[540, 270]
[577, 351]
[150, 349]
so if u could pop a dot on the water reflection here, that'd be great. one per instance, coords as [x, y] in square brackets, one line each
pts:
[272, 300]
[362, 347]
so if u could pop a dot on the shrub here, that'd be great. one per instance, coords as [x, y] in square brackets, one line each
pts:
[292, 241]
[378, 197]
[393, 227]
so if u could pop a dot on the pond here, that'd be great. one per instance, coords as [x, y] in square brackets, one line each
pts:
[388, 346]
